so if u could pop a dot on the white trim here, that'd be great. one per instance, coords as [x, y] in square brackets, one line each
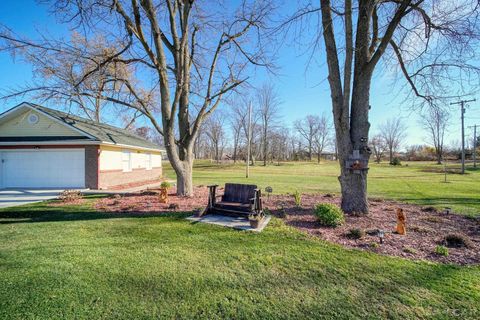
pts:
[32, 107]
[94, 141]
[42, 143]
[76, 142]
[110, 144]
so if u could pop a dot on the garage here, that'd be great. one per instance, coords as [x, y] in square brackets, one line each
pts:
[43, 168]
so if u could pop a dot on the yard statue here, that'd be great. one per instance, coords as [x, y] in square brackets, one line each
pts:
[401, 219]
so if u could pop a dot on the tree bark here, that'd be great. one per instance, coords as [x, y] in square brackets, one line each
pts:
[182, 163]
[354, 182]
[184, 179]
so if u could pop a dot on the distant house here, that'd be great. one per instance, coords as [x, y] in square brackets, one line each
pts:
[45, 148]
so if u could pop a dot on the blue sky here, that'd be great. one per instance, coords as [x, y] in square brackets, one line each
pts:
[303, 91]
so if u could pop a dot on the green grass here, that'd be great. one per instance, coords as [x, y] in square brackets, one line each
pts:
[414, 183]
[74, 263]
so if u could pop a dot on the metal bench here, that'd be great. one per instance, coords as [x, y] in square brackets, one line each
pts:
[238, 200]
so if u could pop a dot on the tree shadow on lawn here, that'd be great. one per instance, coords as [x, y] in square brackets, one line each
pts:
[45, 213]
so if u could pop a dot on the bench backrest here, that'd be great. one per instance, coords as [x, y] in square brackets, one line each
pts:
[241, 193]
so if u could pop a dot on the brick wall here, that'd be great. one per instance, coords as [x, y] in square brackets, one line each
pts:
[115, 178]
[91, 167]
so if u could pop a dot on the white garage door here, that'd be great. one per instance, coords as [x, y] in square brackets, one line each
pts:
[56, 168]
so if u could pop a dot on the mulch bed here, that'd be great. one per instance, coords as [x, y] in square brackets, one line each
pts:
[426, 227]
[148, 201]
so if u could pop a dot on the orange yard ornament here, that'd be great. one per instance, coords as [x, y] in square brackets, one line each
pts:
[401, 220]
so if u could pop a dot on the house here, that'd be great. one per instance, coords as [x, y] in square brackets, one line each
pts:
[45, 148]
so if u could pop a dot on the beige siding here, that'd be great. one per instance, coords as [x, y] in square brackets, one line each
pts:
[111, 158]
[19, 126]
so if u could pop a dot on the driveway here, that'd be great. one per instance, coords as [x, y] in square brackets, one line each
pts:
[17, 197]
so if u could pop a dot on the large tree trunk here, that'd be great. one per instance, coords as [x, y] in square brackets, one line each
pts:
[354, 182]
[181, 157]
[354, 192]
[184, 179]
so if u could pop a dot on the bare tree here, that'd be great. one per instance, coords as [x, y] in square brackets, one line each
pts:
[216, 134]
[430, 43]
[435, 121]
[377, 144]
[393, 133]
[279, 146]
[269, 114]
[238, 114]
[191, 54]
[57, 74]
[322, 136]
[308, 128]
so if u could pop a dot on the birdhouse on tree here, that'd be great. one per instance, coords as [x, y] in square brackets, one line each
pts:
[357, 162]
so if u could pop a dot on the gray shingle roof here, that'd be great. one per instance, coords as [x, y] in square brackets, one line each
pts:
[99, 131]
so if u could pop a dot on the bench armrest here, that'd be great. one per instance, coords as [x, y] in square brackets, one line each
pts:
[212, 185]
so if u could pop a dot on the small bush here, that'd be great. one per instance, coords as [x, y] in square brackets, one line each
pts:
[70, 196]
[329, 214]
[441, 250]
[457, 240]
[356, 234]
[396, 162]
[297, 197]
[165, 184]
[281, 212]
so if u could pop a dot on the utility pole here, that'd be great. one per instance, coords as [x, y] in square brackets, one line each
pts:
[462, 109]
[474, 145]
[249, 139]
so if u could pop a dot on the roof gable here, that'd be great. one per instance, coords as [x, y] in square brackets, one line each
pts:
[19, 124]
[83, 127]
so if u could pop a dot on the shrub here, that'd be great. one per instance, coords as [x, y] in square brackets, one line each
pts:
[329, 214]
[457, 240]
[396, 162]
[70, 196]
[281, 212]
[297, 197]
[356, 233]
[165, 184]
[441, 250]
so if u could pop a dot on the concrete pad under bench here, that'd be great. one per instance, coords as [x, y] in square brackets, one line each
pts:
[238, 223]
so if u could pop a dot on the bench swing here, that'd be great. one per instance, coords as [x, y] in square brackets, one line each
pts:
[238, 200]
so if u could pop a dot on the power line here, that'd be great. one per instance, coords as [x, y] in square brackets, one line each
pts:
[474, 145]
[462, 109]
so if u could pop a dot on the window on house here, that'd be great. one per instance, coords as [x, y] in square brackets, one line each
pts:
[127, 161]
[148, 161]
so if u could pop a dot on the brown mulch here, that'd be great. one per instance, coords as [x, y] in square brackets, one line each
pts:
[426, 227]
[148, 201]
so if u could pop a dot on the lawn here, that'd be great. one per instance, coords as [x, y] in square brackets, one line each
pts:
[413, 182]
[72, 262]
